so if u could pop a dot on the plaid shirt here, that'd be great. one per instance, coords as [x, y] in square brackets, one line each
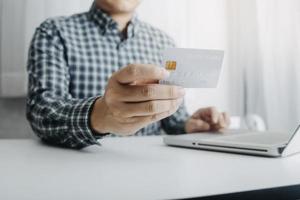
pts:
[70, 61]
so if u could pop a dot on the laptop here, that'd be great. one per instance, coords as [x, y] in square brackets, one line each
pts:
[272, 144]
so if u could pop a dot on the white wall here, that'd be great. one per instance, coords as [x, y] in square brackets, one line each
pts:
[18, 20]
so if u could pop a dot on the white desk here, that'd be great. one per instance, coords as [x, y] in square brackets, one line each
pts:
[133, 168]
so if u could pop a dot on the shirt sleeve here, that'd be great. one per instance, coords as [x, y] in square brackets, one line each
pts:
[54, 115]
[175, 124]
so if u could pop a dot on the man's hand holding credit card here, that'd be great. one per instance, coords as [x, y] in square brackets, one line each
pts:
[193, 68]
[133, 99]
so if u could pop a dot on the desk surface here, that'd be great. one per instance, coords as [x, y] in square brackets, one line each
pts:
[133, 168]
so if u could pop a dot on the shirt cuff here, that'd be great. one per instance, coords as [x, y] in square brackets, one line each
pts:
[180, 128]
[79, 123]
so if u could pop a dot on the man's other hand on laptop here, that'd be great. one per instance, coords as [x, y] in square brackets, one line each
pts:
[207, 119]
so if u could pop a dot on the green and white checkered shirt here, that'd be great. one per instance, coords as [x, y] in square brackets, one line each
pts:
[70, 61]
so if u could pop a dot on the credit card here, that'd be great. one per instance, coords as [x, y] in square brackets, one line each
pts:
[193, 68]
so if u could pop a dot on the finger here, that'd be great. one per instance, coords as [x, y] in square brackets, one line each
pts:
[222, 122]
[138, 93]
[210, 115]
[148, 108]
[145, 120]
[197, 125]
[140, 72]
[158, 117]
[227, 119]
[214, 115]
[144, 82]
[220, 125]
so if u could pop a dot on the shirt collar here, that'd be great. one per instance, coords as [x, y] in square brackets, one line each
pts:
[106, 23]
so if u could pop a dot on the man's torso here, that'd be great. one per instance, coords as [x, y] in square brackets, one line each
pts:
[94, 49]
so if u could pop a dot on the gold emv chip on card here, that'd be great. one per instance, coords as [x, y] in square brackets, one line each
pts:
[171, 65]
[192, 68]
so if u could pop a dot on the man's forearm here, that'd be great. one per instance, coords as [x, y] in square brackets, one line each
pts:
[64, 123]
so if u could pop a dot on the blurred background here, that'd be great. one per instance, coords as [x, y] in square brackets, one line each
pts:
[261, 39]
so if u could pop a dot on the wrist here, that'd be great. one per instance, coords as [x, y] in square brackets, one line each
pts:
[97, 119]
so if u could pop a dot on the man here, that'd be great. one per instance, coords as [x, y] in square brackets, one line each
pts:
[96, 73]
